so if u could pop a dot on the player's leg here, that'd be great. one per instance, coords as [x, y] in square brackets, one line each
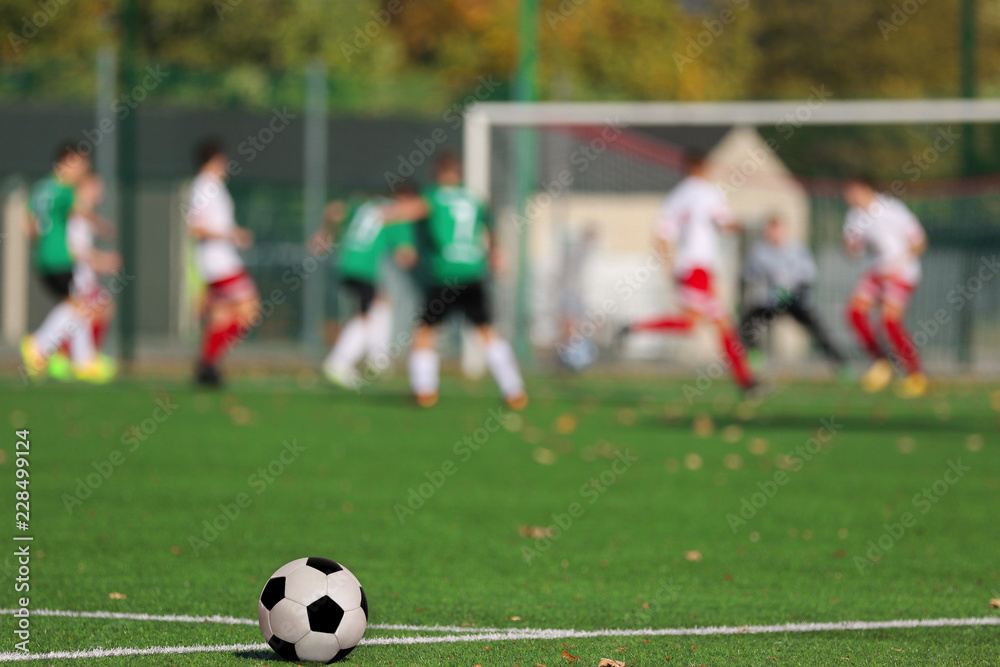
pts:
[232, 306]
[379, 332]
[895, 299]
[805, 316]
[674, 323]
[340, 365]
[736, 353]
[500, 358]
[56, 328]
[754, 324]
[424, 364]
[879, 375]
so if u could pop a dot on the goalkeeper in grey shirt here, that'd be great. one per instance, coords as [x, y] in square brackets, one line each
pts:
[786, 269]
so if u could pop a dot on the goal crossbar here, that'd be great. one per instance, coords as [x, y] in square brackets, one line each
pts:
[817, 110]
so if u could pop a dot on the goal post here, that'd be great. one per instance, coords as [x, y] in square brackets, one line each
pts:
[619, 190]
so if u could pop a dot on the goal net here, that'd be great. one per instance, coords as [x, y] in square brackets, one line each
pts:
[575, 189]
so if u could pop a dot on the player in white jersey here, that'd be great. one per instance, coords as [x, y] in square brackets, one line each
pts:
[886, 227]
[96, 307]
[690, 221]
[231, 299]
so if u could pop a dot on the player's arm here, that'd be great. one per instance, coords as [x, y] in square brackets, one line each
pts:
[31, 229]
[102, 227]
[917, 237]
[334, 214]
[665, 234]
[406, 209]
[854, 237]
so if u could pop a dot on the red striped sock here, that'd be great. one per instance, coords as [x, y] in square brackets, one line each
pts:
[862, 327]
[217, 341]
[737, 358]
[902, 344]
[678, 323]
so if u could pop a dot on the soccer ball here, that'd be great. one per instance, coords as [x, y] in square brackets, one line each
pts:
[313, 610]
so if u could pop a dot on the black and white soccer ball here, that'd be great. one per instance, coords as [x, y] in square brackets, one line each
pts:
[313, 610]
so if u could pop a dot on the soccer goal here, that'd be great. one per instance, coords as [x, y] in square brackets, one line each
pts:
[575, 187]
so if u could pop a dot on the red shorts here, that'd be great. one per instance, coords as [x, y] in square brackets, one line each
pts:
[696, 293]
[233, 288]
[875, 288]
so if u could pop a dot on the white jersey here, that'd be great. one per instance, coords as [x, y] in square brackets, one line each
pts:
[690, 219]
[890, 229]
[211, 209]
[80, 239]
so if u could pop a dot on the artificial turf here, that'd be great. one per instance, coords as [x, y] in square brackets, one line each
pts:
[440, 518]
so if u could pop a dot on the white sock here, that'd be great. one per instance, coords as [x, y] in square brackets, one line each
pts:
[379, 333]
[56, 328]
[424, 366]
[350, 346]
[503, 365]
[81, 344]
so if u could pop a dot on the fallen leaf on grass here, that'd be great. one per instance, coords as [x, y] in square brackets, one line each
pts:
[694, 555]
[117, 596]
[571, 658]
[995, 603]
[513, 618]
[536, 532]
[608, 662]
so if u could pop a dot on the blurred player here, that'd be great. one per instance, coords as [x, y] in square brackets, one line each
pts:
[576, 351]
[690, 219]
[454, 229]
[363, 239]
[886, 226]
[232, 299]
[51, 203]
[89, 264]
[787, 269]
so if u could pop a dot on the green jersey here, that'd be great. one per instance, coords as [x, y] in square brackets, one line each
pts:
[366, 238]
[51, 203]
[455, 229]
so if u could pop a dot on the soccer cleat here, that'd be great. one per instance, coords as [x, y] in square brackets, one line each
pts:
[517, 402]
[877, 377]
[99, 371]
[342, 376]
[913, 385]
[60, 367]
[34, 362]
[427, 400]
[207, 375]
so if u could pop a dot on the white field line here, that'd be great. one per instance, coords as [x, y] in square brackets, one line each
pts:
[232, 620]
[532, 633]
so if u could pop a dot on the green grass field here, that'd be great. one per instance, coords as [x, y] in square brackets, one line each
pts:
[666, 515]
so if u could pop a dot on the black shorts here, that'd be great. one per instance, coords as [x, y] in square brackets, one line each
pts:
[59, 284]
[472, 300]
[363, 291]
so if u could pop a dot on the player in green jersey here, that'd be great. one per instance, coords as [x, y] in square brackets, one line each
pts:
[51, 202]
[363, 237]
[454, 232]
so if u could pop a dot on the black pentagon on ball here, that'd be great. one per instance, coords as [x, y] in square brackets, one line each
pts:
[285, 649]
[325, 615]
[364, 602]
[324, 565]
[273, 593]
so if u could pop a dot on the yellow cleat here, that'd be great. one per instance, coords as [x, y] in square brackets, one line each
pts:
[100, 371]
[34, 362]
[877, 377]
[517, 402]
[60, 367]
[427, 400]
[913, 385]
